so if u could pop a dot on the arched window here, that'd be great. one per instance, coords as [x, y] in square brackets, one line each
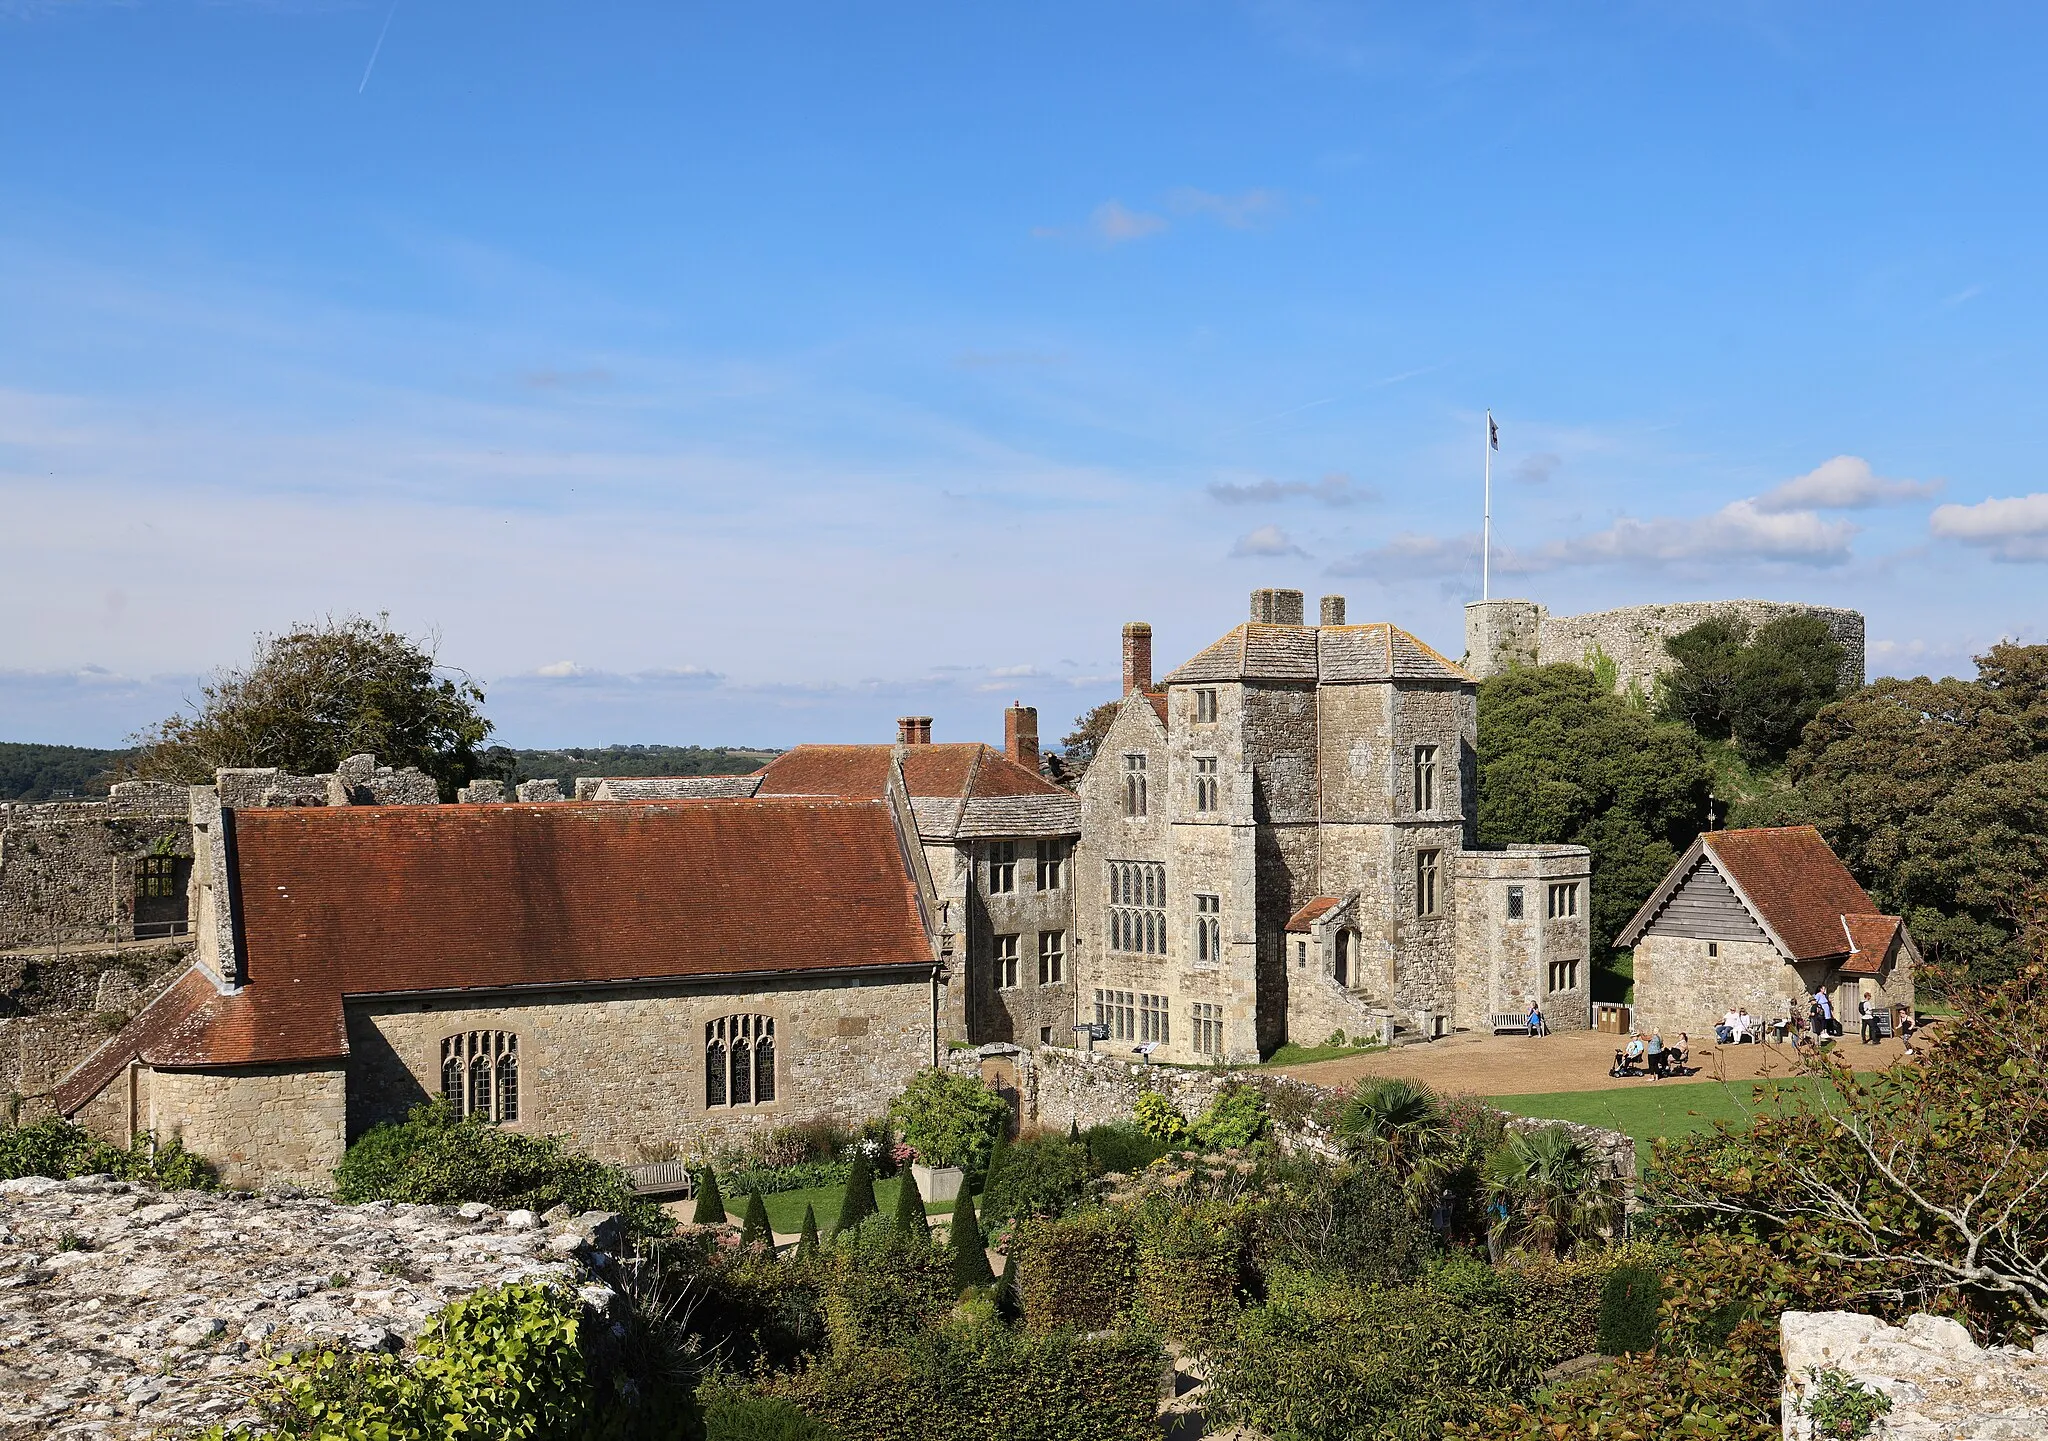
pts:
[739, 1061]
[480, 1074]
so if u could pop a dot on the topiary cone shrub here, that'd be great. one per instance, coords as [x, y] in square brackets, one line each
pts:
[710, 1204]
[859, 1202]
[755, 1229]
[807, 1239]
[970, 1249]
[912, 1222]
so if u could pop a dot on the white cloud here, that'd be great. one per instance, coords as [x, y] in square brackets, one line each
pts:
[1738, 531]
[1411, 556]
[1114, 223]
[1332, 489]
[1844, 483]
[561, 669]
[1267, 540]
[2013, 527]
[1239, 212]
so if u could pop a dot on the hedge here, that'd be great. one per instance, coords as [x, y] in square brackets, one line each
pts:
[982, 1382]
[883, 1287]
[802, 1176]
[1078, 1271]
[1188, 1263]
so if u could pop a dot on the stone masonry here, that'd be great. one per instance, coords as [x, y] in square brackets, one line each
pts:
[1943, 1386]
[128, 1312]
[1500, 633]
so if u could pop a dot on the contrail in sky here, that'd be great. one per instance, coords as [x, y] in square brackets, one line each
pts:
[374, 49]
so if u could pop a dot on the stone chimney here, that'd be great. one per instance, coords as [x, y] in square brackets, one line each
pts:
[1333, 610]
[1020, 735]
[914, 730]
[1276, 607]
[1137, 656]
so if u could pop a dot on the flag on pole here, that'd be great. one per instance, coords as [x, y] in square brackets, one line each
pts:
[1492, 432]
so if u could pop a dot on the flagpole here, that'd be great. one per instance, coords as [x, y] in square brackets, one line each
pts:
[1486, 524]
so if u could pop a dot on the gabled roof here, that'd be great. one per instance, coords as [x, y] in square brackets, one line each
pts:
[1788, 879]
[370, 900]
[1871, 939]
[1311, 912]
[1329, 653]
[956, 790]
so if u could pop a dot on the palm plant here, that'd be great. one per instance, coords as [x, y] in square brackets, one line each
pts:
[1547, 1191]
[1392, 1121]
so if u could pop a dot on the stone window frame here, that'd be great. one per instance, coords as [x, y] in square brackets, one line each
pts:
[1425, 778]
[1207, 1026]
[1002, 868]
[1155, 1018]
[1301, 955]
[1561, 976]
[1052, 958]
[1205, 705]
[1137, 907]
[1052, 865]
[1004, 962]
[1561, 901]
[1428, 875]
[1117, 1010]
[1208, 929]
[1137, 801]
[1515, 905]
[1208, 785]
[480, 1075]
[740, 1048]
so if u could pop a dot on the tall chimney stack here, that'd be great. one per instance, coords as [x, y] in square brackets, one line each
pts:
[1276, 607]
[1333, 610]
[1137, 657]
[1020, 735]
[914, 730]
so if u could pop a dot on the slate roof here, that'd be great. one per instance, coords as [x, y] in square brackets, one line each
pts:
[959, 789]
[1330, 653]
[1789, 879]
[363, 900]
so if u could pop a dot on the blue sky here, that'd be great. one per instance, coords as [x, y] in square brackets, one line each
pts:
[754, 374]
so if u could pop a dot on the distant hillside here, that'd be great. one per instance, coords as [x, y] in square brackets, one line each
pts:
[44, 773]
[566, 765]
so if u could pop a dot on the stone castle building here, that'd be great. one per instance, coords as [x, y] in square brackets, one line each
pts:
[1278, 841]
[1501, 633]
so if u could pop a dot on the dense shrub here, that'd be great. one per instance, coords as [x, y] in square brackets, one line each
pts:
[511, 1362]
[1725, 1396]
[1077, 1271]
[1559, 1302]
[750, 1309]
[1630, 1298]
[433, 1159]
[1045, 1176]
[731, 1416]
[60, 1150]
[883, 1288]
[1189, 1259]
[949, 1120]
[1121, 1147]
[1336, 1361]
[981, 1381]
[1235, 1119]
[797, 1176]
[1354, 1220]
[1160, 1119]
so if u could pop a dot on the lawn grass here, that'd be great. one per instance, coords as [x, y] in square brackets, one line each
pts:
[1293, 1055]
[786, 1208]
[1649, 1109]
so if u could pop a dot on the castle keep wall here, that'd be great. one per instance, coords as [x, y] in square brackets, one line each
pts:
[67, 868]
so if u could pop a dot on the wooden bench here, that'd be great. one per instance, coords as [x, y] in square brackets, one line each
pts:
[1502, 1023]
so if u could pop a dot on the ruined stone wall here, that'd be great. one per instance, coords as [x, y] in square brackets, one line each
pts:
[621, 1072]
[1503, 964]
[55, 1010]
[67, 868]
[135, 1313]
[259, 1125]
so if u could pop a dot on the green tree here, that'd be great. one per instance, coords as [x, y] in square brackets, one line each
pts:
[322, 692]
[710, 1204]
[1562, 762]
[754, 1228]
[1935, 795]
[911, 1221]
[950, 1120]
[970, 1247]
[1789, 670]
[859, 1201]
[1078, 747]
[1699, 689]
[807, 1239]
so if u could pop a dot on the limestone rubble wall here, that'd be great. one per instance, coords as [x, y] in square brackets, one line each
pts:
[1941, 1383]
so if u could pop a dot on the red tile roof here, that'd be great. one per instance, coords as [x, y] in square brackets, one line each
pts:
[381, 899]
[1311, 912]
[1873, 938]
[1795, 883]
[166, 1029]
[959, 769]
